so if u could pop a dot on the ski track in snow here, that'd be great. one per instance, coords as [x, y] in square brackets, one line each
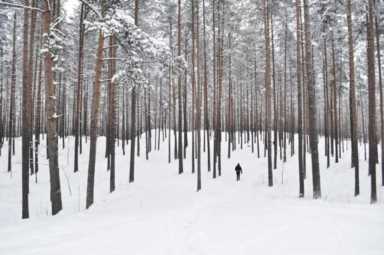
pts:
[161, 213]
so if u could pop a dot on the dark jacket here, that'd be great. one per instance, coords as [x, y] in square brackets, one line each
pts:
[238, 169]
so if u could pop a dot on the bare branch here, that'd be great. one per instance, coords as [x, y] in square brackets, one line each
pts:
[91, 7]
[21, 6]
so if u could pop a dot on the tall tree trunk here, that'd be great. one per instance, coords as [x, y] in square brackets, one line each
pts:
[2, 119]
[180, 117]
[38, 118]
[266, 8]
[123, 128]
[372, 101]
[214, 84]
[275, 111]
[352, 100]
[185, 115]
[206, 110]
[12, 105]
[285, 88]
[79, 89]
[312, 111]
[52, 138]
[26, 116]
[220, 80]
[335, 126]
[327, 118]
[94, 121]
[193, 77]
[198, 97]
[299, 99]
[30, 80]
[133, 113]
[230, 97]
[378, 45]
[112, 110]
[133, 135]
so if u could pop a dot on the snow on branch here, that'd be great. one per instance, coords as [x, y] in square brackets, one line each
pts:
[21, 6]
[55, 116]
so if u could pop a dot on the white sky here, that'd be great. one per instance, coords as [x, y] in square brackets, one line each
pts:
[70, 6]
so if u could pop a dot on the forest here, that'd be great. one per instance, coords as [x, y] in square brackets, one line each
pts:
[142, 108]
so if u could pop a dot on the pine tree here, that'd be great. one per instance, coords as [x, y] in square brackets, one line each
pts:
[268, 91]
[379, 67]
[180, 110]
[299, 98]
[79, 88]
[12, 104]
[51, 115]
[26, 116]
[95, 119]
[112, 109]
[372, 101]
[133, 113]
[312, 111]
[352, 99]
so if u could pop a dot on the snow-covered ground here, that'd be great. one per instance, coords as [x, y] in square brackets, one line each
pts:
[161, 213]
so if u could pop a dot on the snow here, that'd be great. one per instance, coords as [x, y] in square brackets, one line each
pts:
[55, 116]
[161, 213]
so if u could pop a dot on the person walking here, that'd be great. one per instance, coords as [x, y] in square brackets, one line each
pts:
[239, 171]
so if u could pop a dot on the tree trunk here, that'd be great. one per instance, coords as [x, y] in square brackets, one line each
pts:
[30, 81]
[133, 113]
[112, 110]
[268, 89]
[180, 113]
[94, 121]
[299, 98]
[352, 100]
[372, 101]
[378, 45]
[79, 89]
[26, 116]
[12, 105]
[206, 110]
[2, 119]
[312, 111]
[52, 136]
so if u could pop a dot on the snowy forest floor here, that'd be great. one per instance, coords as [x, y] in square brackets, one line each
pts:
[161, 213]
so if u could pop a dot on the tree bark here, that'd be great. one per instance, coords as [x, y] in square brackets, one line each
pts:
[268, 89]
[94, 121]
[299, 99]
[112, 110]
[11, 129]
[79, 89]
[180, 112]
[312, 110]
[133, 113]
[26, 116]
[372, 101]
[352, 99]
[52, 136]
